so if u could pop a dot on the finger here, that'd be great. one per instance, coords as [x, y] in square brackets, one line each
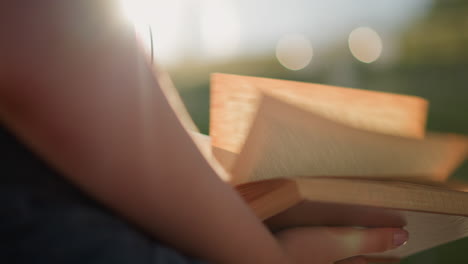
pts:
[353, 260]
[335, 243]
[383, 260]
[367, 260]
[353, 241]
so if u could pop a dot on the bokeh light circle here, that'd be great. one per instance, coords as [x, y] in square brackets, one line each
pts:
[365, 44]
[294, 52]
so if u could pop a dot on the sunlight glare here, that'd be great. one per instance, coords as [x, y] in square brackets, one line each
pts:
[165, 19]
[138, 11]
[220, 28]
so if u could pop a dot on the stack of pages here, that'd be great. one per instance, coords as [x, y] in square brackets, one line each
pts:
[306, 154]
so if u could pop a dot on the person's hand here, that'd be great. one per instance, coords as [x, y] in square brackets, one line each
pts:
[343, 245]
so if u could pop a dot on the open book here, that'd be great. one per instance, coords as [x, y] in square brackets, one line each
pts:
[309, 154]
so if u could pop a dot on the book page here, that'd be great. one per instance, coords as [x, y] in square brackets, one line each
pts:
[286, 141]
[234, 102]
[433, 215]
[426, 229]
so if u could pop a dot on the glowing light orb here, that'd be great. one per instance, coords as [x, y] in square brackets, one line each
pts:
[365, 44]
[294, 52]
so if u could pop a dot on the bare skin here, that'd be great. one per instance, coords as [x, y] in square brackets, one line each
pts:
[75, 87]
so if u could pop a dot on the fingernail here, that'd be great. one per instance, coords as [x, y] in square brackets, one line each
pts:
[400, 238]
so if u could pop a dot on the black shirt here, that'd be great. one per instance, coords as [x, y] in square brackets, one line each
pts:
[46, 219]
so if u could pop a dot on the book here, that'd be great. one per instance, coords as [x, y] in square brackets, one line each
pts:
[433, 215]
[306, 154]
[286, 140]
[234, 101]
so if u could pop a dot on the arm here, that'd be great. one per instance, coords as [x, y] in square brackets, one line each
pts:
[91, 107]
[80, 94]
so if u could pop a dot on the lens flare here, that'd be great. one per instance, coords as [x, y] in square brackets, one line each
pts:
[294, 52]
[365, 44]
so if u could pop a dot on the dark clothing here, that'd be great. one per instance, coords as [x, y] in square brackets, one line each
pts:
[45, 219]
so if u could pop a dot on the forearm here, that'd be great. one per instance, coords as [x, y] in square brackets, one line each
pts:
[92, 108]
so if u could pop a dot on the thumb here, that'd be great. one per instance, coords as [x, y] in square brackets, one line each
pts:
[354, 241]
[366, 260]
[329, 244]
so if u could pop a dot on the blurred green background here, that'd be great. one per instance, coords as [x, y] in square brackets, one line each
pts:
[417, 47]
